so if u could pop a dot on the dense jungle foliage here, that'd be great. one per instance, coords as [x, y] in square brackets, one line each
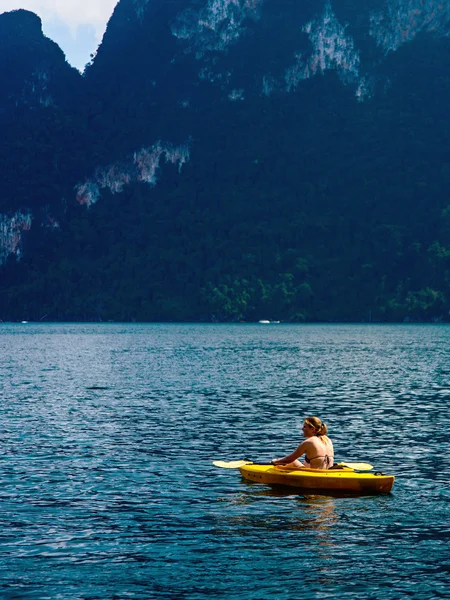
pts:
[300, 206]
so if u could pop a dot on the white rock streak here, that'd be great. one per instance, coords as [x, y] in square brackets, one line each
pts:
[236, 95]
[332, 49]
[140, 6]
[269, 85]
[35, 91]
[216, 25]
[401, 20]
[11, 231]
[142, 167]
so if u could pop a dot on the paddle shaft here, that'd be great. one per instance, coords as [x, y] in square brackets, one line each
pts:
[235, 464]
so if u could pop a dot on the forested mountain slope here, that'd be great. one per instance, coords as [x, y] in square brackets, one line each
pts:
[229, 160]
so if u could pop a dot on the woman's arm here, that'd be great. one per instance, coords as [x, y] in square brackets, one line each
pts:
[291, 457]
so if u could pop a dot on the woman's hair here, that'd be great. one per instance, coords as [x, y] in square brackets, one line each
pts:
[320, 428]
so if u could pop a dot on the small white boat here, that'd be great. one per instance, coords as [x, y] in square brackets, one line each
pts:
[263, 322]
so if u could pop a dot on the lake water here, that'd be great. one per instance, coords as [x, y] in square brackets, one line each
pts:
[108, 432]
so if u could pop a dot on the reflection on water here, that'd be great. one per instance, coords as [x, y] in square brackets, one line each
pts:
[108, 432]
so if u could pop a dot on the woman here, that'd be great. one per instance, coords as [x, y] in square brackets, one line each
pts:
[317, 448]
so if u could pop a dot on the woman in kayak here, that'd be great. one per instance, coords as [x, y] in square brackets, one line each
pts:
[317, 448]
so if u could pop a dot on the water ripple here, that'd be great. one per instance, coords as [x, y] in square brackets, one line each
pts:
[108, 432]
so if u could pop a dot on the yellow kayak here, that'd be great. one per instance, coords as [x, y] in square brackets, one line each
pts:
[340, 479]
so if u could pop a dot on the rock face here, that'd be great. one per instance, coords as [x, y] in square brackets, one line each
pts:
[33, 70]
[305, 105]
[12, 229]
[142, 167]
[39, 93]
[398, 22]
[216, 25]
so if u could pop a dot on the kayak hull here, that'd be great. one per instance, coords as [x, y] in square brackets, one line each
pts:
[315, 480]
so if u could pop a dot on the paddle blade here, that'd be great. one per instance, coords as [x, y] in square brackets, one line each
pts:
[232, 464]
[356, 465]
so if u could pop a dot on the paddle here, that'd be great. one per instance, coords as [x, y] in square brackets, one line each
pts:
[357, 466]
[235, 464]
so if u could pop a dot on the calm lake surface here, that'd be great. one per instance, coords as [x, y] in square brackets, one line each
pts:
[108, 432]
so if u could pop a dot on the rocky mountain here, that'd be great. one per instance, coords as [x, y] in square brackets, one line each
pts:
[38, 90]
[230, 159]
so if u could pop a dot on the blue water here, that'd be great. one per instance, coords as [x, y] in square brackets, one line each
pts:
[108, 432]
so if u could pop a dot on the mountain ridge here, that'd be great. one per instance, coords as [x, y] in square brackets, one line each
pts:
[309, 181]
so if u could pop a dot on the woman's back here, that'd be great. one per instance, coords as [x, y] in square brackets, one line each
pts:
[320, 454]
[317, 448]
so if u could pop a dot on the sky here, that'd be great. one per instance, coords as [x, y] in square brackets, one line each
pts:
[77, 26]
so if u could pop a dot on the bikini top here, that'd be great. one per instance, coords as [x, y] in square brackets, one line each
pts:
[326, 462]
